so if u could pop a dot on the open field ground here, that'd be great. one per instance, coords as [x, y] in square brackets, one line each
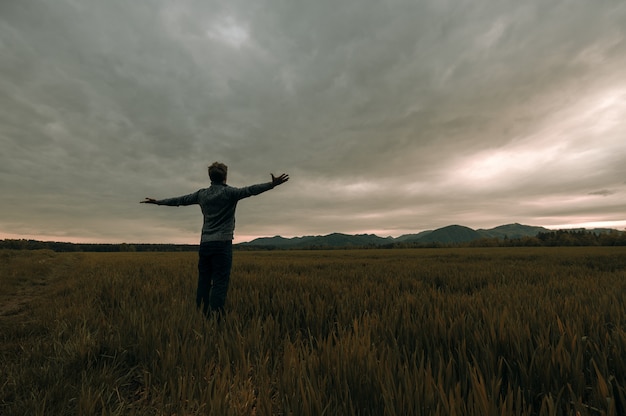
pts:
[521, 331]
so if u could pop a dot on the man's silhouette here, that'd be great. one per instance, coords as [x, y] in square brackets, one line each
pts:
[218, 204]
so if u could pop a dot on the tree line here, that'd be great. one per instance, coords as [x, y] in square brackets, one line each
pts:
[558, 238]
[89, 247]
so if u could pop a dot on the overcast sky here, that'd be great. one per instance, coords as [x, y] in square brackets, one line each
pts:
[391, 117]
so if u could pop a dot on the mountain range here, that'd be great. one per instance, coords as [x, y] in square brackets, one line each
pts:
[450, 234]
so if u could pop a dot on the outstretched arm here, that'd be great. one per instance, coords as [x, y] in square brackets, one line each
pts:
[247, 191]
[174, 202]
[279, 180]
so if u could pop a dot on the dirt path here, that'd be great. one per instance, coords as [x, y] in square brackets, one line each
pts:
[26, 276]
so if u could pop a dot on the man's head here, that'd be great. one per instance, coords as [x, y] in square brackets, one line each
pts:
[217, 172]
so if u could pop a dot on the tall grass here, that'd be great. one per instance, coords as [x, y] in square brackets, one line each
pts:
[367, 332]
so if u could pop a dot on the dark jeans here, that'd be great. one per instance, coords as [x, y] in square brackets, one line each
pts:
[214, 263]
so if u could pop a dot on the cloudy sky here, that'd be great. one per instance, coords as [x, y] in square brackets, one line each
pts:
[391, 116]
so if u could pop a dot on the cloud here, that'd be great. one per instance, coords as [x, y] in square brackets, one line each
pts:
[602, 192]
[395, 116]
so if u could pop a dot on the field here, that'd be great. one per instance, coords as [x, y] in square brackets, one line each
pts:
[500, 331]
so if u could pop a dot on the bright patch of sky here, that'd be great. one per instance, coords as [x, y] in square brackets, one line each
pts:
[227, 29]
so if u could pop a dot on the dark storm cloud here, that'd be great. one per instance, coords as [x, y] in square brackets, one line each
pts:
[602, 192]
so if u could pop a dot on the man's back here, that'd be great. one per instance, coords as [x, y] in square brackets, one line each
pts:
[218, 204]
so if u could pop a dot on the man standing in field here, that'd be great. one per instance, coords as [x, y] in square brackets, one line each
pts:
[218, 204]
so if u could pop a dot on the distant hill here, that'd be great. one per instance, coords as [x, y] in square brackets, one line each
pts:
[330, 240]
[451, 234]
[512, 231]
[412, 237]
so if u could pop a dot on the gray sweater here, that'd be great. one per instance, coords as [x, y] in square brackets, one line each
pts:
[218, 204]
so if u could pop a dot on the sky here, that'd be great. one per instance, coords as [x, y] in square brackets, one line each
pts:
[390, 116]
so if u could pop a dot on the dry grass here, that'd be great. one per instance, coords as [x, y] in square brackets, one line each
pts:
[372, 332]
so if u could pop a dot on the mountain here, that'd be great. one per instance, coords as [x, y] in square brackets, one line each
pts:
[330, 240]
[451, 234]
[512, 231]
[412, 237]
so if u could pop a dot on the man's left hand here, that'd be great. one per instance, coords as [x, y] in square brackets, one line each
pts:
[279, 180]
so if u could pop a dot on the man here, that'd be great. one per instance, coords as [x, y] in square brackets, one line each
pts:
[218, 204]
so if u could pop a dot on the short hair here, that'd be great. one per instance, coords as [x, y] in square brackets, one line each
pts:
[217, 172]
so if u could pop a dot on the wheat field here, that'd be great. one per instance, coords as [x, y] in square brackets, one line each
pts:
[476, 331]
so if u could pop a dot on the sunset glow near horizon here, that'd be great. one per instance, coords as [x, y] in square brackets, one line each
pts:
[391, 118]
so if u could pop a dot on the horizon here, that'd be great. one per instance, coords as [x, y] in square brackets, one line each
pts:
[241, 240]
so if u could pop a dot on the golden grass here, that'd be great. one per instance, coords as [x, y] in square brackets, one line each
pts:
[517, 331]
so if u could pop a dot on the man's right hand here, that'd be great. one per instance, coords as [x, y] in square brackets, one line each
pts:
[148, 201]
